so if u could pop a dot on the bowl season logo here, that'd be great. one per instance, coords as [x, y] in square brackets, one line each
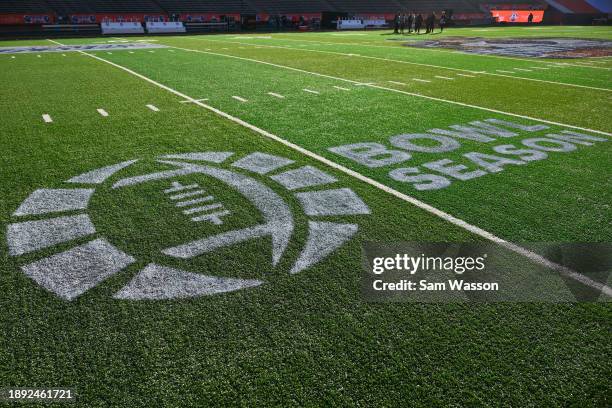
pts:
[50, 217]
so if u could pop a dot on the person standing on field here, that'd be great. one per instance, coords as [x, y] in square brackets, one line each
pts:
[410, 21]
[396, 23]
[442, 21]
[418, 22]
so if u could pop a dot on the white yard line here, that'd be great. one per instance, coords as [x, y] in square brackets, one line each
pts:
[438, 50]
[310, 91]
[443, 77]
[153, 108]
[102, 112]
[514, 77]
[395, 90]
[341, 88]
[420, 204]
[467, 75]
[396, 83]
[238, 98]
[47, 118]
[279, 96]
[420, 80]
[505, 72]
[199, 100]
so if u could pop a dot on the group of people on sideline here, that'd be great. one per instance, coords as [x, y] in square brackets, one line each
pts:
[414, 22]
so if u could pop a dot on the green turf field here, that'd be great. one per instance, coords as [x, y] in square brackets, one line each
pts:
[541, 172]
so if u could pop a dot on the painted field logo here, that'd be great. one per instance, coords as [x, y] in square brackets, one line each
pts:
[184, 183]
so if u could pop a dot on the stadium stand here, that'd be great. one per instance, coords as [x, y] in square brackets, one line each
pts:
[104, 6]
[573, 6]
[291, 6]
[225, 15]
[604, 6]
[23, 6]
[206, 6]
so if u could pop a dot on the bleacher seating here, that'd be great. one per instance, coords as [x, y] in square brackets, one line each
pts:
[576, 6]
[510, 5]
[206, 6]
[603, 6]
[290, 6]
[23, 6]
[66, 7]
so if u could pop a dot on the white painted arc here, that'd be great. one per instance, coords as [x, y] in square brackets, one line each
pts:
[157, 282]
[98, 176]
[30, 236]
[420, 204]
[213, 157]
[323, 239]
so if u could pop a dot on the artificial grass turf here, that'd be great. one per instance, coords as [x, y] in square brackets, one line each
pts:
[394, 55]
[336, 117]
[299, 340]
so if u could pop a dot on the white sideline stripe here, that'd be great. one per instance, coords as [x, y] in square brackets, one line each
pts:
[420, 204]
[540, 68]
[131, 52]
[396, 83]
[433, 98]
[38, 56]
[63, 55]
[153, 108]
[199, 100]
[523, 69]
[103, 112]
[514, 77]
[47, 118]
[443, 77]
[364, 83]
[467, 75]
[276, 95]
[239, 98]
[12, 57]
[420, 80]
[310, 91]
[505, 72]
[341, 88]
